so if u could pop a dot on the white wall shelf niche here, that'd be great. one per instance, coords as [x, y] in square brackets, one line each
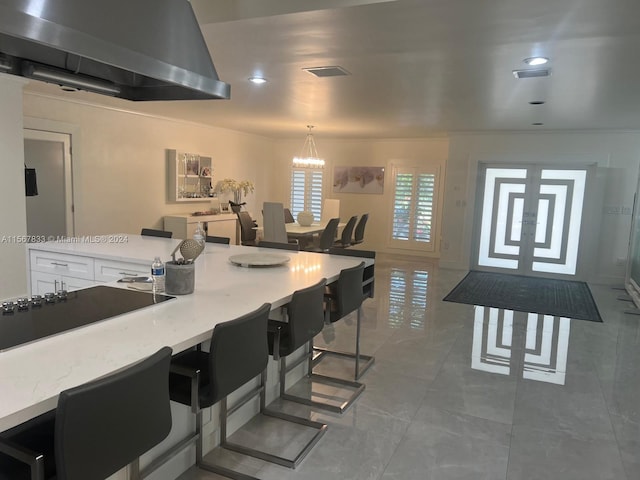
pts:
[189, 177]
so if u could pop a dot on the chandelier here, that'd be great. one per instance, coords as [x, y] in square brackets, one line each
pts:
[309, 155]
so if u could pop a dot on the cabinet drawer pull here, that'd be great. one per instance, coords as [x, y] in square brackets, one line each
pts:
[60, 264]
[127, 274]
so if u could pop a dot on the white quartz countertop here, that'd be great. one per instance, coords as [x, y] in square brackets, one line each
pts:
[32, 375]
[120, 246]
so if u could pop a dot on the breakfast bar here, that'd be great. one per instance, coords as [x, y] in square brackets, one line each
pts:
[33, 374]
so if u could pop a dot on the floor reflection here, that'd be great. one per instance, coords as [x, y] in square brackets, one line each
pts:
[407, 298]
[546, 344]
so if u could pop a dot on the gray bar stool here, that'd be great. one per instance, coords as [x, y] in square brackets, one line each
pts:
[97, 428]
[150, 232]
[344, 297]
[238, 354]
[215, 239]
[282, 246]
[305, 319]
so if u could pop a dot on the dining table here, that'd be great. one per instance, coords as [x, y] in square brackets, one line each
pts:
[297, 231]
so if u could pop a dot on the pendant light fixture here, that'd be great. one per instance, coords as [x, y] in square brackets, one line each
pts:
[309, 155]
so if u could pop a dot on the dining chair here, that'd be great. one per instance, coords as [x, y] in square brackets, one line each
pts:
[273, 224]
[238, 353]
[358, 236]
[288, 217]
[150, 232]
[347, 231]
[215, 239]
[326, 237]
[97, 428]
[247, 232]
[304, 318]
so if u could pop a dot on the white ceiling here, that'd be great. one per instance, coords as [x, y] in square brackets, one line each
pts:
[418, 67]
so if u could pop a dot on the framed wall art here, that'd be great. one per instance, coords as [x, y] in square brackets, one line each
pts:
[358, 180]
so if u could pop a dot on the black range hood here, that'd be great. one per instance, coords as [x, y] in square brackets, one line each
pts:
[132, 49]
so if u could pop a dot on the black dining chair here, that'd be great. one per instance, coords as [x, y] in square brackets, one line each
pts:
[215, 239]
[358, 236]
[280, 245]
[97, 428]
[344, 297]
[288, 217]
[247, 230]
[150, 232]
[327, 237]
[347, 232]
[305, 318]
[238, 353]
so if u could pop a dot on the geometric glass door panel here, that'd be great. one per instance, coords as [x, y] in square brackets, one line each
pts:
[529, 219]
[502, 216]
[559, 217]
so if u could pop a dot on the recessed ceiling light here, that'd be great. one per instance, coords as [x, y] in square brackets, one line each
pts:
[258, 80]
[533, 61]
[537, 102]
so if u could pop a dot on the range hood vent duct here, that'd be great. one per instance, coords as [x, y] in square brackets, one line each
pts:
[137, 50]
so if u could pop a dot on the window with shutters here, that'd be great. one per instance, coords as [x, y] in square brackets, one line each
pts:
[306, 191]
[414, 208]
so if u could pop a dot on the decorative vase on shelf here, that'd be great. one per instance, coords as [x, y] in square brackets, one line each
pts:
[305, 218]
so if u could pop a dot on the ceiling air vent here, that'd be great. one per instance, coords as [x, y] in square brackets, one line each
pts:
[332, 71]
[541, 72]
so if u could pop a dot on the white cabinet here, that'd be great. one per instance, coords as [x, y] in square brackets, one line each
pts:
[53, 271]
[58, 271]
[184, 226]
[189, 177]
[110, 270]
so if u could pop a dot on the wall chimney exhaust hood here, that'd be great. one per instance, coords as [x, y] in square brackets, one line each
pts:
[137, 50]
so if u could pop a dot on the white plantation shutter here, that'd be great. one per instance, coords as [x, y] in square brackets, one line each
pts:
[414, 207]
[424, 207]
[306, 191]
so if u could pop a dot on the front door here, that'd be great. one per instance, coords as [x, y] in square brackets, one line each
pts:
[528, 219]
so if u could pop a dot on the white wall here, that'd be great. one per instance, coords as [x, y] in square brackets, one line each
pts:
[13, 216]
[366, 152]
[120, 172]
[120, 166]
[617, 156]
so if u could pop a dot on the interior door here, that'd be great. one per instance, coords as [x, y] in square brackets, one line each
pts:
[529, 218]
[50, 213]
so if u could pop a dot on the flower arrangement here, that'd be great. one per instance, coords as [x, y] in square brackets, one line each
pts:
[238, 188]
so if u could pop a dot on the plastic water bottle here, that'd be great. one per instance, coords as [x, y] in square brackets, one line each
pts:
[199, 235]
[157, 275]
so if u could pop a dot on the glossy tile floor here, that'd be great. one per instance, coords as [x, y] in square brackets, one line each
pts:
[464, 392]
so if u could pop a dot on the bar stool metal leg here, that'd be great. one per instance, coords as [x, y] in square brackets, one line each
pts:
[357, 356]
[357, 387]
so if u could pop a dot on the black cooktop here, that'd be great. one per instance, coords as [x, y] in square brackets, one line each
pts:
[80, 308]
